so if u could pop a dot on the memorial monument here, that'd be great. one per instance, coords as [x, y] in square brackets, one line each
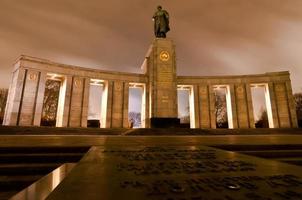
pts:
[161, 70]
[159, 82]
[161, 22]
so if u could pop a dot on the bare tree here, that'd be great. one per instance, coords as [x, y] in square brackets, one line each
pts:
[185, 117]
[262, 122]
[221, 110]
[135, 118]
[50, 102]
[298, 102]
[3, 99]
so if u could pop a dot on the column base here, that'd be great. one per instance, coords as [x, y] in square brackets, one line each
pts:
[165, 122]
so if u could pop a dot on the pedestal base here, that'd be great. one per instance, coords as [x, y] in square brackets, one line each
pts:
[165, 122]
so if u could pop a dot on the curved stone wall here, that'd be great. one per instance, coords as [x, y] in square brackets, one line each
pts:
[26, 93]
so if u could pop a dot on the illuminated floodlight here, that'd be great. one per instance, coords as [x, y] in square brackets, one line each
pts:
[184, 87]
[55, 77]
[96, 82]
[136, 85]
[190, 90]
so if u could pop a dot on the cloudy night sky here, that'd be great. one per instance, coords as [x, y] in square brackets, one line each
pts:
[212, 37]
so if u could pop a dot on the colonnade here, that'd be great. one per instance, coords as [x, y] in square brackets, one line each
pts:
[278, 95]
[27, 88]
[26, 93]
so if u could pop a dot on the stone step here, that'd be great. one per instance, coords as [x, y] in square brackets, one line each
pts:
[27, 168]
[4, 195]
[8, 183]
[22, 166]
[274, 154]
[197, 131]
[28, 150]
[291, 154]
[259, 147]
[294, 161]
[40, 157]
[30, 130]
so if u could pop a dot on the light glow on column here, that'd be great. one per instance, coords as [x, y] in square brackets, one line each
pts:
[61, 102]
[190, 90]
[269, 107]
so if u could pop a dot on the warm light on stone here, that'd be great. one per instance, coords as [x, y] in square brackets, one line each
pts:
[159, 98]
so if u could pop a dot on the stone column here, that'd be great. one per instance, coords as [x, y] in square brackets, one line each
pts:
[282, 105]
[212, 107]
[291, 105]
[29, 98]
[117, 107]
[9, 101]
[76, 102]
[146, 105]
[84, 115]
[125, 102]
[250, 109]
[204, 107]
[64, 102]
[241, 105]
[195, 110]
[109, 88]
[39, 99]
[274, 109]
[233, 105]
[15, 95]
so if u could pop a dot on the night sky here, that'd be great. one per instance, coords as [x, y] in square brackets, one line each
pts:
[212, 37]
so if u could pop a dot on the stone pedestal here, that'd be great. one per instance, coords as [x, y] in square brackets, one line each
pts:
[161, 72]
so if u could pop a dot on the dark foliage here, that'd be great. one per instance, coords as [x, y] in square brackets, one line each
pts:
[298, 102]
[134, 119]
[3, 99]
[263, 120]
[50, 103]
[221, 110]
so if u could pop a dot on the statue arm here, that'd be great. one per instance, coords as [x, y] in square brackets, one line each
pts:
[166, 14]
[153, 18]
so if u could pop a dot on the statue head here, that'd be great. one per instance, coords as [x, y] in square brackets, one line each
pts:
[159, 7]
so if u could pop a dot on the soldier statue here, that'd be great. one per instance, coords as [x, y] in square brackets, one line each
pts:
[161, 22]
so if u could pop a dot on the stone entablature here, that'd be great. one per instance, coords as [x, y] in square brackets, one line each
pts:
[43, 65]
[26, 93]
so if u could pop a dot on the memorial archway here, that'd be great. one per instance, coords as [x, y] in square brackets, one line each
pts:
[136, 105]
[262, 107]
[186, 111]
[96, 113]
[223, 106]
[52, 95]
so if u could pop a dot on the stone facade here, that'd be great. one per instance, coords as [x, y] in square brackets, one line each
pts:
[159, 81]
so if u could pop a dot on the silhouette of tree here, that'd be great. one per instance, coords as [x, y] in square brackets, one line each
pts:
[221, 110]
[262, 122]
[298, 102]
[185, 117]
[135, 118]
[50, 103]
[3, 99]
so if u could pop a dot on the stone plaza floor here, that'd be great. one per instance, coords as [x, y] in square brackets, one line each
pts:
[169, 167]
